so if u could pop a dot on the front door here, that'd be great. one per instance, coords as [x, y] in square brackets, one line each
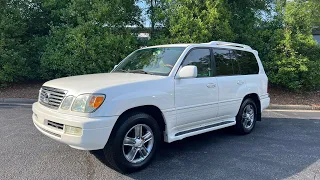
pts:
[196, 99]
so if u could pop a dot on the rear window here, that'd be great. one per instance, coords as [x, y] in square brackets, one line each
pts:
[247, 62]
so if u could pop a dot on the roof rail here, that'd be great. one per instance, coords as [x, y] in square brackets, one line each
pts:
[222, 43]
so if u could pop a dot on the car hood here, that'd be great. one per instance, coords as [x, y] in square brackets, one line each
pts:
[94, 82]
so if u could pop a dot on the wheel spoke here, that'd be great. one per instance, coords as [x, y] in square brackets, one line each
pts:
[132, 154]
[245, 122]
[138, 131]
[143, 151]
[129, 141]
[147, 137]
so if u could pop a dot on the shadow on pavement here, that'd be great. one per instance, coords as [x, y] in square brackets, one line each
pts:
[278, 148]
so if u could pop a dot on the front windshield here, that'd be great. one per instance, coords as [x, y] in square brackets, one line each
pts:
[156, 61]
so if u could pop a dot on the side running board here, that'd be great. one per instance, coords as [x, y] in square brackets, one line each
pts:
[204, 127]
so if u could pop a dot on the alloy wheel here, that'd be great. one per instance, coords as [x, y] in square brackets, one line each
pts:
[138, 143]
[248, 116]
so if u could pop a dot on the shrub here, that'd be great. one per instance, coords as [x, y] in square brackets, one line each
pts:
[84, 49]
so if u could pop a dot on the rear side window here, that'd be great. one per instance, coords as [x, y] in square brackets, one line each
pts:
[200, 58]
[235, 62]
[248, 62]
[224, 62]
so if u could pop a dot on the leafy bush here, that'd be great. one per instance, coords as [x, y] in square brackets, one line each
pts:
[84, 49]
[296, 55]
[22, 28]
[46, 39]
[12, 49]
[91, 37]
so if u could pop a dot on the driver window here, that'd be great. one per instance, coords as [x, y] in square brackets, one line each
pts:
[201, 59]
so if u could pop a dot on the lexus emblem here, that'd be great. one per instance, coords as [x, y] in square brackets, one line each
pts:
[46, 97]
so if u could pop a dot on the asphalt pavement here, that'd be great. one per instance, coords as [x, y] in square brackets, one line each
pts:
[284, 145]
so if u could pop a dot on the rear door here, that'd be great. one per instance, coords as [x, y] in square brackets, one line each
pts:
[232, 85]
[196, 99]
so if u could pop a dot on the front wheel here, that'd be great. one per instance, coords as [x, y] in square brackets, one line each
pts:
[133, 143]
[246, 117]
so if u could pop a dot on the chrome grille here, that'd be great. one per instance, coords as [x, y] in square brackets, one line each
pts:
[51, 97]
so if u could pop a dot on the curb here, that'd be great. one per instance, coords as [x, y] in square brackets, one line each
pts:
[17, 101]
[294, 107]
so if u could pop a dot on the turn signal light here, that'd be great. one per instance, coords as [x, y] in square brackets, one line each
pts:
[96, 101]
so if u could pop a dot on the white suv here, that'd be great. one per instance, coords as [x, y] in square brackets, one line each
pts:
[161, 93]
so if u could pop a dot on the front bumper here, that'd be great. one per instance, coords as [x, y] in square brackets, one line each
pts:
[95, 131]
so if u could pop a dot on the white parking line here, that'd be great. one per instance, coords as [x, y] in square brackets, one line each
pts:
[289, 110]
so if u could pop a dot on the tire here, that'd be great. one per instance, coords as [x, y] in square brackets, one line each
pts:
[119, 153]
[244, 122]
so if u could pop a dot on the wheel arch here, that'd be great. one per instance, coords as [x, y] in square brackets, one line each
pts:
[255, 97]
[152, 110]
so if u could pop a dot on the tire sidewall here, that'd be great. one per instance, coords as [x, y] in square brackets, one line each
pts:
[239, 116]
[139, 118]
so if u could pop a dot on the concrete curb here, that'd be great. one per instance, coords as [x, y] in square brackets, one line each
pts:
[294, 107]
[17, 101]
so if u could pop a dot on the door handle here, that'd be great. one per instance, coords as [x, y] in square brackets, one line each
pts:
[211, 85]
[240, 82]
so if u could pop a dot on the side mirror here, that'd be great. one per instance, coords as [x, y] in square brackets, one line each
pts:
[188, 72]
[115, 66]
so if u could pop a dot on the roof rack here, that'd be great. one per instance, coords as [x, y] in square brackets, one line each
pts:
[222, 43]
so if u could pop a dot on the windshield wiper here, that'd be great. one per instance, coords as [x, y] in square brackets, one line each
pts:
[120, 70]
[141, 71]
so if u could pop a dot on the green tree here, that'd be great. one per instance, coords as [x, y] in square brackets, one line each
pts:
[152, 12]
[315, 12]
[247, 16]
[199, 21]
[22, 26]
[295, 60]
[93, 39]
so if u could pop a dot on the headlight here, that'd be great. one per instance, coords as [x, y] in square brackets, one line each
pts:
[67, 102]
[87, 103]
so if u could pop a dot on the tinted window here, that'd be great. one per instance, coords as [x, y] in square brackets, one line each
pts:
[201, 59]
[224, 62]
[235, 57]
[248, 63]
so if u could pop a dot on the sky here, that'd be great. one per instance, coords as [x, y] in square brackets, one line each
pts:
[143, 6]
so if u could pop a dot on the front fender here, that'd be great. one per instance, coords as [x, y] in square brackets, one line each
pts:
[159, 93]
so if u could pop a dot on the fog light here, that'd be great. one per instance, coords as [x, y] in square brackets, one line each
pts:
[73, 130]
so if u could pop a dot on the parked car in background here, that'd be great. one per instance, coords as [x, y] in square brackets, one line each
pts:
[160, 93]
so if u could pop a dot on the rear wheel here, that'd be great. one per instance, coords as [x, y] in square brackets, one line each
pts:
[133, 143]
[246, 117]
